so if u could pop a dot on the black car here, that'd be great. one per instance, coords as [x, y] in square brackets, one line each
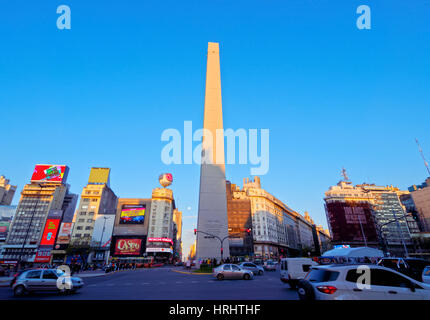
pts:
[411, 267]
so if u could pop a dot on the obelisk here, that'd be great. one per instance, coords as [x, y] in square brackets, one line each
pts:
[212, 216]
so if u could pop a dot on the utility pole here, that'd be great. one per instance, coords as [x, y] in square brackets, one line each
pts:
[362, 231]
[401, 234]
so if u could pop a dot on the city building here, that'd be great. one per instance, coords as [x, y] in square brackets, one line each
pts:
[38, 216]
[212, 222]
[130, 231]
[7, 192]
[97, 198]
[276, 229]
[160, 242]
[421, 197]
[6, 217]
[177, 220]
[370, 215]
[239, 222]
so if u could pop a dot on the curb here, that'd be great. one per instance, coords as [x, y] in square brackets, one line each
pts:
[194, 273]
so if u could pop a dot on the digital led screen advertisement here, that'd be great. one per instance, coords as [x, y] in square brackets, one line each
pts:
[50, 232]
[128, 247]
[49, 173]
[133, 215]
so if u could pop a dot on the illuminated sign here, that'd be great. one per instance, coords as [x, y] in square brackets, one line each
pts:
[160, 240]
[159, 250]
[64, 233]
[43, 256]
[49, 173]
[135, 215]
[128, 246]
[50, 232]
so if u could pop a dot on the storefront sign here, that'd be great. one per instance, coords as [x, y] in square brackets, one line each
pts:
[159, 250]
[160, 240]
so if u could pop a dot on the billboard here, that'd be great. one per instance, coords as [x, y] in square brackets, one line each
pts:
[65, 233]
[50, 232]
[160, 240]
[43, 256]
[132, 214]
[169, 250]
[49, 173]
[128, 247]
[4, 226]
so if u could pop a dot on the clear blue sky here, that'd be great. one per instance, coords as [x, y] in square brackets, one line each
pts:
[101, 93]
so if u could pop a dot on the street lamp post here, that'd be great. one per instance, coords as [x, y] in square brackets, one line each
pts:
[396, 219]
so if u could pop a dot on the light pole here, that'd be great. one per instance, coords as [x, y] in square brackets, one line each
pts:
[103, 231]
[396, 219]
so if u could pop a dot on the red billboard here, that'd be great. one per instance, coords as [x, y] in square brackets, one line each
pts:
[160, 240]
[43, 256]
[49, 173]
[128, 247]
[50, 232]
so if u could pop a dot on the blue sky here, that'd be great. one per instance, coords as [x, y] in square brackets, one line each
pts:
[332, 96]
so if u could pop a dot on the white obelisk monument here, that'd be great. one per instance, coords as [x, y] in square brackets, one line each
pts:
[212, 216]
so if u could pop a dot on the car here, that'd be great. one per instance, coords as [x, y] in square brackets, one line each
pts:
[269, 266]
[295, 269]
[426, 274]
[44, 280]
[348, 282]
[411, 267]
[232, 271]
[252, 267]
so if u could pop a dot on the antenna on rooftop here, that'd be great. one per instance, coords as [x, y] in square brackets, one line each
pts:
[344, 175]
[422, 156]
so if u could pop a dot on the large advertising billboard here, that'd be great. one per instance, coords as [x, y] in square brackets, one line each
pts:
[133, 214]
[49, 173]
[65, 233]
[128, 247]
[4, 226]
[50, 232]
[43, 256]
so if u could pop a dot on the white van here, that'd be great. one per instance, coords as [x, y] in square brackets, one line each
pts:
[294, 269]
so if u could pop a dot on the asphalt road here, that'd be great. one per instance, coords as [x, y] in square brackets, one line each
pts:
[165, 284]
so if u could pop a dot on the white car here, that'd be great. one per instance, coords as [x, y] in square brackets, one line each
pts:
[295, 269]
[426, 274]
[345, 282]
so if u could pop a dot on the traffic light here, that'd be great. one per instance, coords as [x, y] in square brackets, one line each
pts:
[195, 231]
[248, 230]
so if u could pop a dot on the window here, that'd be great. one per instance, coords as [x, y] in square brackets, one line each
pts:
[33, 274]
[320, 275]
[49, 274]
[386, 278]
[235, 268]
[227, 267]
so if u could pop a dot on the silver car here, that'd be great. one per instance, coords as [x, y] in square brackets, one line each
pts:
[44, 280]
[232, 271]
[252, 267]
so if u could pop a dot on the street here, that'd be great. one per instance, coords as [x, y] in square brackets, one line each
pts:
[166, 284]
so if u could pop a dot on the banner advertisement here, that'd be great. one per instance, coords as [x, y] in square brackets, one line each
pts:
[50, 232]
[128, 246]
[65, 233]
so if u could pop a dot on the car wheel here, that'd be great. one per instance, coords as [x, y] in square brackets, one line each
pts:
[19, 291]
[220, 276]
[246, 276]
[293, 284]
[305, 290]
[260, 272]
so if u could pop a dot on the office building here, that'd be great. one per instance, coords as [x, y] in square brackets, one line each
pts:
[177, 221]
[97, 198]
[7, 192]
[421, 197]
[38, 215]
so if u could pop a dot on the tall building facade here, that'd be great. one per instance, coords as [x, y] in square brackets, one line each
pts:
[130, 230]
[369, 215]
[32, 226]
[276, 229]
[421, 197]
[239, 222]
[177, 221]
[7, 192]
[97, 198]
[161, 237]
[212, 224]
